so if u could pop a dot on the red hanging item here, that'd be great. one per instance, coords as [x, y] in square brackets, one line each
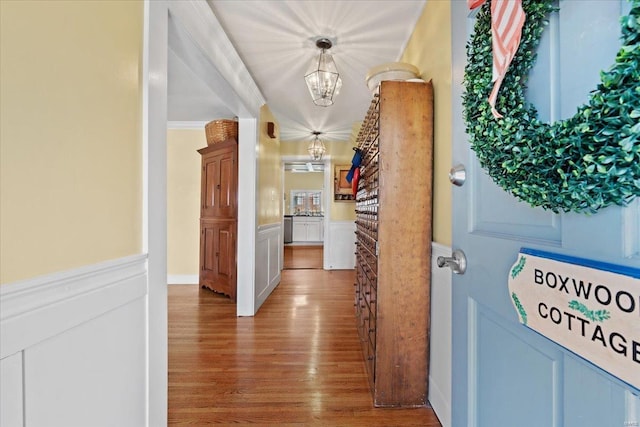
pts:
[507, 19]
[355, 180]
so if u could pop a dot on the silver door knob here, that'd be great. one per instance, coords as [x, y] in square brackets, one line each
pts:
[457, 262]
[458, 175]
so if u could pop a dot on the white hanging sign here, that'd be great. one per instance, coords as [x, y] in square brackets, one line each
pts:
[589, 307]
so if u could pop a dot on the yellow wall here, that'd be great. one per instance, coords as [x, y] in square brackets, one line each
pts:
[429, 49]
[303, 181]
[183, 200]
[269, 188]
[300, 181]
[70, 134]
[341, 153]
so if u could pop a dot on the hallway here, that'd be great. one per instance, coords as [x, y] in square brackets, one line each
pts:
[302, 257]
[296, 363]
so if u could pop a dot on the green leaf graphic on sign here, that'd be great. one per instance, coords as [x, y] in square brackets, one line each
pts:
[518, 267]
[593, 315]
[521, 310]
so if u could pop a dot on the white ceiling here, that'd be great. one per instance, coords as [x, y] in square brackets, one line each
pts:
[276, 41]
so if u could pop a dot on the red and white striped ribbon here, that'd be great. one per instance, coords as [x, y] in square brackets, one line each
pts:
[507, 19]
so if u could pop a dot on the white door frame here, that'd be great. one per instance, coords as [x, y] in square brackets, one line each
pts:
[154, 226]
[207, 33]
[326, 195]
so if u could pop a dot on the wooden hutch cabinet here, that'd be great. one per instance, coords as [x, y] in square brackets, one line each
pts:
[393, 249]
[218, 217]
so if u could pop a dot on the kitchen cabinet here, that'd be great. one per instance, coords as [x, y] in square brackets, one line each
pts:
[308, 229]
[393, 249]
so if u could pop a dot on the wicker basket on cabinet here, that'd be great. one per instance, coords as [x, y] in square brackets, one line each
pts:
[220, 130]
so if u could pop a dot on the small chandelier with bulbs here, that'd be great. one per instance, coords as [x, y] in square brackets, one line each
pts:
[316, 147]
[323, 79]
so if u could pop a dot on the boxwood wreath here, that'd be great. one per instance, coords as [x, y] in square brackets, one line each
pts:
[580, 164]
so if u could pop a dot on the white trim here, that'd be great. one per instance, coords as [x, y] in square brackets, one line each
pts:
[189, 125]
[268, 227]
[247, 193]
[154, 123]
[34, 310]
[183, 279]
[440, 336]
[327, 237]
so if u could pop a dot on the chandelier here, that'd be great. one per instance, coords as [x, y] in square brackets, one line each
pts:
[316, 148]
[322, 78]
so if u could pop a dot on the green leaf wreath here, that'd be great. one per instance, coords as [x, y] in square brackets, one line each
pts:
[579, 164]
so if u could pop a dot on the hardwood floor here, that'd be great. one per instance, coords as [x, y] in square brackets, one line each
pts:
[302, 257]
[296, 363]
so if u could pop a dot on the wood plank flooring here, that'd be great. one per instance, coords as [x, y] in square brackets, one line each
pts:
[302, 257]
[296, 363]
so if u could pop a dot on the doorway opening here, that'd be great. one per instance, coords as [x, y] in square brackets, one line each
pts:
[304, 207]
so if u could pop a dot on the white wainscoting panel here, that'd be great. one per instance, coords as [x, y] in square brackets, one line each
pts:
[268, 262]
[77, 341]
[340, 255]
[91, 375]
[440, 344]
[11, 405]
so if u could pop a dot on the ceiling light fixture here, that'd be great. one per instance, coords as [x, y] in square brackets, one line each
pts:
[316, 147]
[323, 79]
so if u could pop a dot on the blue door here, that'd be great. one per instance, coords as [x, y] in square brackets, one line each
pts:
[505, 374]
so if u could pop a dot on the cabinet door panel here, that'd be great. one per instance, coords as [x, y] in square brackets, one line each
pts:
[210, 177]
[299, 231]
[313, 231]
[218, 256]
[219, 184]
[226, 258]
[227, 201]
[207, 253]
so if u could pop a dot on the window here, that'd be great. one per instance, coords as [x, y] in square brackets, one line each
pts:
[306, 202]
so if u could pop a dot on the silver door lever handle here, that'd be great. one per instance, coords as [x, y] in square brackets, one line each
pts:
[457, 262]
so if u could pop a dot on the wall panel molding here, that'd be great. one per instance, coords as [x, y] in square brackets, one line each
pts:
[35, 309]
[74, 346]
[342, 238]
[268, 261]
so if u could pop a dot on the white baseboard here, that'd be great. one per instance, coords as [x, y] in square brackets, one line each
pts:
[438, 402]
[183, 279]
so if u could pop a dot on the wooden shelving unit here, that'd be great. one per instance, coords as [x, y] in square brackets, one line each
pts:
[393, 249]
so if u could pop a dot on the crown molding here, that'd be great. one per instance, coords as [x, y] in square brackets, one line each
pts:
[199, 125]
